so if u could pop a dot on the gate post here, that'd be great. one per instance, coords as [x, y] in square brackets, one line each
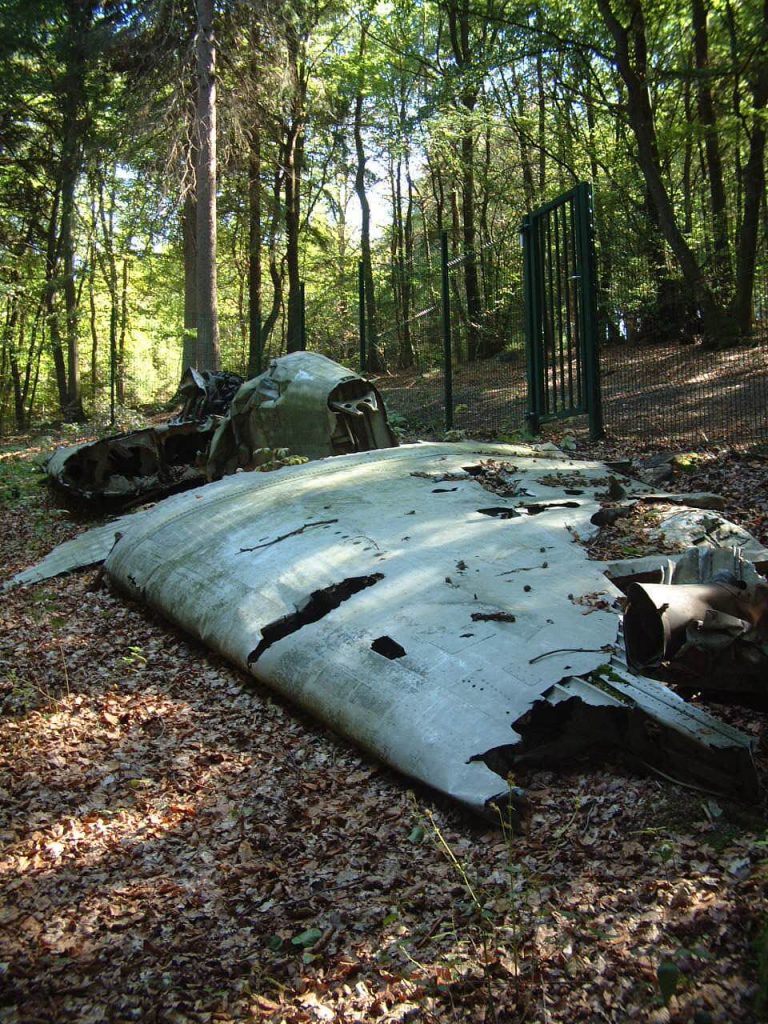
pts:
[585, 238]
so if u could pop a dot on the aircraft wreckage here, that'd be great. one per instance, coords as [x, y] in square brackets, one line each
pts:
[303, 402]
[436, 604]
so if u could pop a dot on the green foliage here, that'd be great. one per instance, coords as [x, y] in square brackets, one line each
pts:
[20, 480]
[465, 136]
[668, 976]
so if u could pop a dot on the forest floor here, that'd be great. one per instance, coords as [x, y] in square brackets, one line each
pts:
[669, 390]
[178, 845]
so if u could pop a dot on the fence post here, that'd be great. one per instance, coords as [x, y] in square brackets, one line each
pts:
[361, 311]
[586, 239]
[531, 316]
[446, 310]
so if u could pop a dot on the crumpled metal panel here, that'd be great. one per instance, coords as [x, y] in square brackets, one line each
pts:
[451, 631]
[206, 393]
[82, 552]
[705, 625]
[303, 402]
[133, 466]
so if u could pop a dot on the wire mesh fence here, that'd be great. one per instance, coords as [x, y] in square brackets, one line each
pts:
[659, 382]
[448, 331]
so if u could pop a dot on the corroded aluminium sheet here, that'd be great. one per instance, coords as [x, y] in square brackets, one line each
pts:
[428, 602]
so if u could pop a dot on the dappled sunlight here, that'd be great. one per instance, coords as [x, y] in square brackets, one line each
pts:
[175, 836]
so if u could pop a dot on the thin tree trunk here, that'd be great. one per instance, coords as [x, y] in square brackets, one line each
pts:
[123, 321]
[706, 109]
[373, 361]
[406, 355]
[458, 21]
[275, 271]
[254, 254]
[208, 357]
[293, 164]
[189, 237]
[753, 186]
[73, 102]
[94, 330]
[50, 291]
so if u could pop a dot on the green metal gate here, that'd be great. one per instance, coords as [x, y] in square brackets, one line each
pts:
[559, 281]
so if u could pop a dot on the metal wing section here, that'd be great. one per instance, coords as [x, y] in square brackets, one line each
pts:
[392, 596]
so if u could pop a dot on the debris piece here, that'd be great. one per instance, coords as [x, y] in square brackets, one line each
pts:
[134, 467]
[306, 403]
[712, 632]
[315, 616]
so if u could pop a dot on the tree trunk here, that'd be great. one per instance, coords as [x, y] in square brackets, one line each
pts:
[631, 59]
[458, 21]
[72, 105]
[292, 227]
[406, 355]
[293, 164]
[11, 325]
[94, 330]
[189, 237]
[50, 290]
[123, 327]
[208, 357]
[254, 254]
[373, 361]
[275, 271]
[706, 109]
[753, 188]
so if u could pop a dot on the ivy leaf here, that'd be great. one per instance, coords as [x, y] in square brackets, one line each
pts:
[307, 938]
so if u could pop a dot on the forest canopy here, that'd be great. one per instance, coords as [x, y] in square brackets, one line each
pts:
[207, 182]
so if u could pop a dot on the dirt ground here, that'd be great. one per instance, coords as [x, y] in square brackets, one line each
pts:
[180, 846]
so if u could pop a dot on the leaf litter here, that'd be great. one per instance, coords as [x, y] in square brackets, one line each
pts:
[178, 845]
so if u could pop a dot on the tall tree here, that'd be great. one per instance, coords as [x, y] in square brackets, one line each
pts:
[726, 314]
[208, 355]
[373, 356]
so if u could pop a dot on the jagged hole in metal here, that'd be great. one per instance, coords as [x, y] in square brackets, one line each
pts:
[499, 512]
[388, 647]
[315, 607]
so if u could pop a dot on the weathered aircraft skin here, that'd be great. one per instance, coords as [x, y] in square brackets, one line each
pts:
[303, 402]
[137, 466]
[156, 461]
[453, 632]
